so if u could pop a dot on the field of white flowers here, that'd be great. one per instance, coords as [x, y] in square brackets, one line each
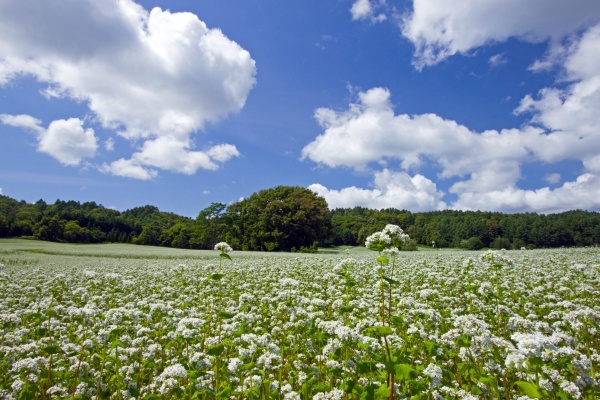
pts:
[122, 322]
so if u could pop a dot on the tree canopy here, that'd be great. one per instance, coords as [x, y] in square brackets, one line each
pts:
[283, 218]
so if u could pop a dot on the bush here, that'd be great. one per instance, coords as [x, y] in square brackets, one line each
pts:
[472, 243]
[411, 245]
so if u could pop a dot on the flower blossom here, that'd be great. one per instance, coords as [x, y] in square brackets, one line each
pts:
[222, 246]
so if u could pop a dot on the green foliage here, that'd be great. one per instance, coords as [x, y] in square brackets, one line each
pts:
[279, 219]
[289, 218]
[472, 243]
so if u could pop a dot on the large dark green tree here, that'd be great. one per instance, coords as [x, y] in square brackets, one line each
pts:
[283, 218]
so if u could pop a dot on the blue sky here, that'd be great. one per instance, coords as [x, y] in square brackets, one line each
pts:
[420, 105]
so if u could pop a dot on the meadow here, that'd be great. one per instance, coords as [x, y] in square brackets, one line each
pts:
[122, 321]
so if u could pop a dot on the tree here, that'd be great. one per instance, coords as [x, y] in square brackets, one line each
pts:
[209, 227]
[281, 218]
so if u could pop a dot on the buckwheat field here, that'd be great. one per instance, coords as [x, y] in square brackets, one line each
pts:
[124, 322]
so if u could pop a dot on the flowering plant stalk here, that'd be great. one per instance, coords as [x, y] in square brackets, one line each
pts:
[387, 242]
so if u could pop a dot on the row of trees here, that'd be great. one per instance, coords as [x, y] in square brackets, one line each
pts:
[289, 218]
[471, 229]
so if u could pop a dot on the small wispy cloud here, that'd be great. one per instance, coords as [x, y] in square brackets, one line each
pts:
[498, 60]
[552, 178]
[364, 10]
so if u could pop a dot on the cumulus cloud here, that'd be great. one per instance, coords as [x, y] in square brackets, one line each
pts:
[365, 10]
[65, 140]
[439, 28]
[169, 153]
[129, 169]
[571, 112]
[580, 194]
[391, 190]
[369, 131]
[155, 76]
[485, 164]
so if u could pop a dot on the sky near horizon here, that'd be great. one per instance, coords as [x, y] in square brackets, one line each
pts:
[420, 105]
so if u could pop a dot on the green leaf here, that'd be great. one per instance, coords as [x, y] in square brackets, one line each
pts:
[365, 367]
[379, 331]
[431, 347]
[224, 394]
[52, 349]
[530, 389]
[397, 320]
[390, 367]
[248, 367]
[489, 381]
[32, 316]
[225, 314]
[404, 372]
[391, 281]
[471, 288]
[216, 350]
[115, 333]
[28, 392]
[348, 386]
[368, 394]
[198, 394]
[346, 309]
[225, 255]
[383, 392]
[216, 277]
[383, 260]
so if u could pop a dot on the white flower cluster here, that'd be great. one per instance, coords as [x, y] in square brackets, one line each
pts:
[392, 236]
[222, 246]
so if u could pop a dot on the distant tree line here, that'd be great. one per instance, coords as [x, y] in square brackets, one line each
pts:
[470, 229]
[288, 218]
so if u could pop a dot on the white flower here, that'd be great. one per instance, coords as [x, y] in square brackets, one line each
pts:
[174, 371]
[378, 240]
[234, 365]
[222, 246]
[435, 375]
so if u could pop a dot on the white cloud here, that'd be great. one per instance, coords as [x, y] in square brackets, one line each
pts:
[487, 164]
[22, 121]
[68, 141]
[553, 178]
[571, 113]
[392, 190]
[173, 154]
[65, 140]
[497, 60]
[152, 76]
[369, 131]
[583, 194]
[128, 169]
[364, 9]
[440, 28]
[109, 144]
[169, 153]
